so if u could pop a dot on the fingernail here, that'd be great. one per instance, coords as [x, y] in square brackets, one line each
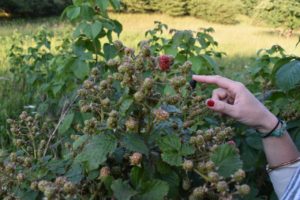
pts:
[210, 103]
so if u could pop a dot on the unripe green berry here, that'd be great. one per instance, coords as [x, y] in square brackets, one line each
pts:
[105, 102]
[186, 184]
[139, 96]
[69, 188]
[131, 124]
[188, 165]
[222, 186]
[213, 177]
[161, 115]
[34, 185]
[148, 83]
[199, 192]
[42, 185]
[104, 172]
[239, 175]
[209, 165]
[60, 181]
[87, 84]
[243, 189]
[136, 158]
[113, 114]
[20, 177]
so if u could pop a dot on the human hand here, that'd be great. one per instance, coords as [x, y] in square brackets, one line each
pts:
[235, 100]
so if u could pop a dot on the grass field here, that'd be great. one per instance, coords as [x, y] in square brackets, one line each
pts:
[240, 42]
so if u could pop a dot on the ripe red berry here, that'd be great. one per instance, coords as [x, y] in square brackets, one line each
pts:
[210, 103]
[165, 62]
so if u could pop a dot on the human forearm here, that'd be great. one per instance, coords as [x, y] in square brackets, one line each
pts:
[278, 150]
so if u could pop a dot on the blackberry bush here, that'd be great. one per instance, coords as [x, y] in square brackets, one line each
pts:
[143, 133]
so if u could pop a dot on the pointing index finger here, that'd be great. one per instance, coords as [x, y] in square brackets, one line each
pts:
[220, 81]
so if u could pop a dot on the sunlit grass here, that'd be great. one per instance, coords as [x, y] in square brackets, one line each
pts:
[240, 41]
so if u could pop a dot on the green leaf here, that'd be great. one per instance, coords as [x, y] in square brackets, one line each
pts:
[170, 143]
[109, 51]
[136, 176]
[154, 189]
[134, 142]
[212, 63]
[96, 29]
[172, 158]
[288, 76]
[66, 123]
[74, 174]
[226, 159]
[116, 4]
[81, 69]
[169, 90]
[96, 150]
[187, 149]
[103, 5]
[254, 141]
[122, 190]
[80, 141]
[126, 103]
[197, 62]
[73, 12]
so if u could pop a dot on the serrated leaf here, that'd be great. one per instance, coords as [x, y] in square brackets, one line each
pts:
[126, 103]
[80, 141]
[170, 143]
[187, 149]
[226, 159]
[74, 174]
[154, 189]
[288, 76]
[172, 158]
[122, 190]
[169, 90]
[171, 109]
[135, 142]
[66, 123]
[96, 150]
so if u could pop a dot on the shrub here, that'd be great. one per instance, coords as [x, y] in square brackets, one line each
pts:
[139, 5]
[215, 10]
[249, 6]
[175, 7]
[141, 133]
[279, 13]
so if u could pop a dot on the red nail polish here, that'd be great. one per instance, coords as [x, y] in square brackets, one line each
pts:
[210, 103]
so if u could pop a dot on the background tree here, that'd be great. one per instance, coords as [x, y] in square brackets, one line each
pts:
[216, 11]
[34, 8]
[279, 13]
[175, 7]
[249, 6]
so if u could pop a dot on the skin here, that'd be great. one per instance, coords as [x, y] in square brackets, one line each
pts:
[235, 100]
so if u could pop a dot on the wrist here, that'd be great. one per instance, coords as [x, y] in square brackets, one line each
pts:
[268, 123]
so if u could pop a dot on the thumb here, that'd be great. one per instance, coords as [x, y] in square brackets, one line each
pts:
[221, 106]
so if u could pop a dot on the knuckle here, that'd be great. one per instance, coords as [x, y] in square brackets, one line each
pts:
[240, 86]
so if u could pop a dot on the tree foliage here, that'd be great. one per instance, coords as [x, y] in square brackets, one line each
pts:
[216, 11]
[249, 6]
[279, 13]
[34, 8]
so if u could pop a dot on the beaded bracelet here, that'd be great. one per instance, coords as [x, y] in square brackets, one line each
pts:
[271, 168]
